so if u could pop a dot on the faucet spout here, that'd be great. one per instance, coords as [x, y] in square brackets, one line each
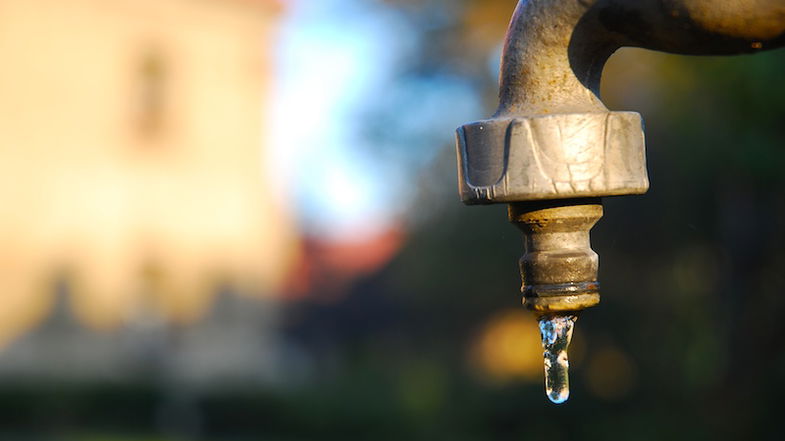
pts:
[552, 149]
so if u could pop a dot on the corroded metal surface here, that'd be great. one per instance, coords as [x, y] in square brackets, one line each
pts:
[559, 269]
[555, 50]
[551, 157]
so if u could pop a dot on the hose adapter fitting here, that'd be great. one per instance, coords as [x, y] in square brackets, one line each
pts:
[559, 268]
[552, 170]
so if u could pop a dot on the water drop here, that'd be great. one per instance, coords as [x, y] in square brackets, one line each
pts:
[556, 332]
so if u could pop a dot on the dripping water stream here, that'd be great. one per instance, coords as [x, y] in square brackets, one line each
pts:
[556, 332]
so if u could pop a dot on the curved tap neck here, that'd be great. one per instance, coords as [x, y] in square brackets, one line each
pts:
[555, 51]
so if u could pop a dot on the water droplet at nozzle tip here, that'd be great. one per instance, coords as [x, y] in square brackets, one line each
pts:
[556, 334]
[559, 398]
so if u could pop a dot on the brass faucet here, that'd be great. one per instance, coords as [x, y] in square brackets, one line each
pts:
[552, 150]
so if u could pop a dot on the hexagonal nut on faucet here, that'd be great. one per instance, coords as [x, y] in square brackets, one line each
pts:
[557, 156]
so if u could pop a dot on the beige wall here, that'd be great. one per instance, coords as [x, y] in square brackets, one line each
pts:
[131, 156]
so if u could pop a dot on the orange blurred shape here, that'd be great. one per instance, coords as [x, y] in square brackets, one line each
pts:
[611, 374]
[508, 347]
[327, 267]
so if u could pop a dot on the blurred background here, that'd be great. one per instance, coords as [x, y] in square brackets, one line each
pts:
[238, 220]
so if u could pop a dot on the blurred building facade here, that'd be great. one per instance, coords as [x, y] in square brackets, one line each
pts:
[133, 177]
[236, 343]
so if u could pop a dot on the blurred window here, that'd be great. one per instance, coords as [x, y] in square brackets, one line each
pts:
[152, 82]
